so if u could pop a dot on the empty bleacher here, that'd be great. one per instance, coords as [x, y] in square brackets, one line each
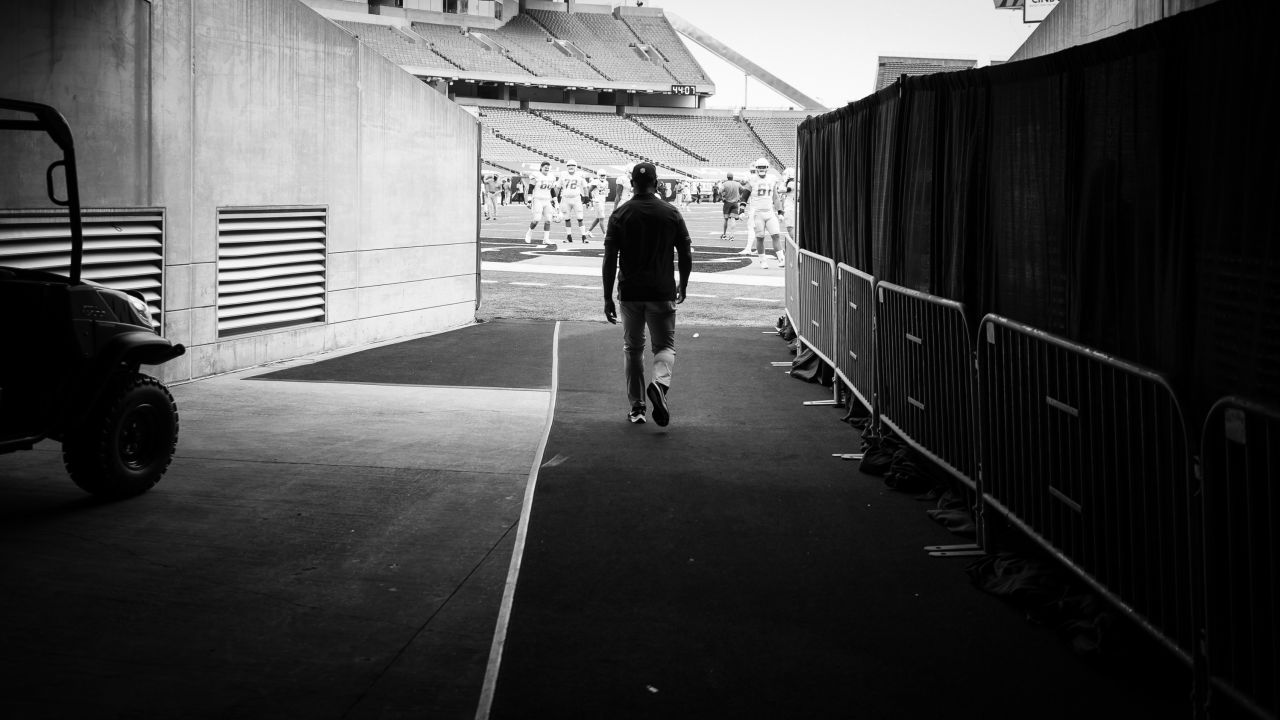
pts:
[620, 131]
[723, 141]
[606, 41]
[657, 32]
[683, 143]
[500, 169]
[528, 43]
[778, 134]
[548, 137]
[592, 48]
[498, 149]
[466, 52]
[397, 46]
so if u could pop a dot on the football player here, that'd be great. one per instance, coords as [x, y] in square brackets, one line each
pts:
[788, 192]
[763, 185]
[597, 191]
[539, 200]
[624, 188]
[570, 194]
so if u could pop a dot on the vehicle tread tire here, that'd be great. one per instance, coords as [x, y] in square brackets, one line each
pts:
[92, 454]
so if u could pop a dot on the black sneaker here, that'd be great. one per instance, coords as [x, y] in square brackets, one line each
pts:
[658, 397]
[636, 415]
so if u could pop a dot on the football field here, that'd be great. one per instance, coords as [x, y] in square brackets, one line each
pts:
[559, 280]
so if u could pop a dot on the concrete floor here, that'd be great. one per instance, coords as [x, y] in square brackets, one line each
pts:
[315, 551]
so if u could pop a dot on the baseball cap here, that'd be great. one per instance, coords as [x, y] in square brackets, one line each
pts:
[644, 172]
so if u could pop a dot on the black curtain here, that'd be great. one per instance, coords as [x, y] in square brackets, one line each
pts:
[1121, 194]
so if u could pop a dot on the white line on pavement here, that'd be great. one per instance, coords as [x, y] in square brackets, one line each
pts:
[530, 284]
[768, 300]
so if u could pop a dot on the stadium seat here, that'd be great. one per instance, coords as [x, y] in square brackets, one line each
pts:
[606, 41]
[622, 132]
[549, 138]
[400, 47]
[658, 33]
[778, 134]
[528, 44]
[466, 52]
[723, 141]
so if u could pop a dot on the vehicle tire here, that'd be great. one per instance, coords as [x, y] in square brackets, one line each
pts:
[127, 441]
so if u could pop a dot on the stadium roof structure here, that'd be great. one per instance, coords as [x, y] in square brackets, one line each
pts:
[892, 68]
[773, 82]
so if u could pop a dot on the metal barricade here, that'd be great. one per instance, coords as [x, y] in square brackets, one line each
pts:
[926, 381]
[791, 276]
[815, 284]
[855, 332]
[1088, 455]
[1240, 464]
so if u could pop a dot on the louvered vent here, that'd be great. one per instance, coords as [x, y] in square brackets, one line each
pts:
[123, 247]
[271, 268]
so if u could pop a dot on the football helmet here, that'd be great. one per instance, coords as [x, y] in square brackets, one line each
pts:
[789, 173]
[761, 167]
[571, 165]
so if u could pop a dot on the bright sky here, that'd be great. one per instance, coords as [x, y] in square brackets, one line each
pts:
[829, 49]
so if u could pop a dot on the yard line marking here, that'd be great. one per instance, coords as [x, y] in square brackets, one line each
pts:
[530, 284]
[489, 282]
[701, 296]
[768, 300]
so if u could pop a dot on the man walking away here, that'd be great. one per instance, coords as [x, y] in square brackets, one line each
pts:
[642, 238]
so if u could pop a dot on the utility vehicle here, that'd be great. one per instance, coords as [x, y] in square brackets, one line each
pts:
[71, 349]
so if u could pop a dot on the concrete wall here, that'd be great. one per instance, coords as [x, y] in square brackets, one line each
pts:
[1076, 22]
[192, 106]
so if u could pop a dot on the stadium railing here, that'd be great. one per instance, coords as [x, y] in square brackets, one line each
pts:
[926, 384]
[855, 332]
[1240, 456]
[1088, 455]
[791, 274]
[816, 280]
[1085, 454]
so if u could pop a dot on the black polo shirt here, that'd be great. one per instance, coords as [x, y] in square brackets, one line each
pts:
[647, 232]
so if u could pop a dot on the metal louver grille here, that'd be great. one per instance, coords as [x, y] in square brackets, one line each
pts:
[271, 268]
[123, 247]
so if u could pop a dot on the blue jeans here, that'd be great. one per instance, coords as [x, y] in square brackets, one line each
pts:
[660, 317]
